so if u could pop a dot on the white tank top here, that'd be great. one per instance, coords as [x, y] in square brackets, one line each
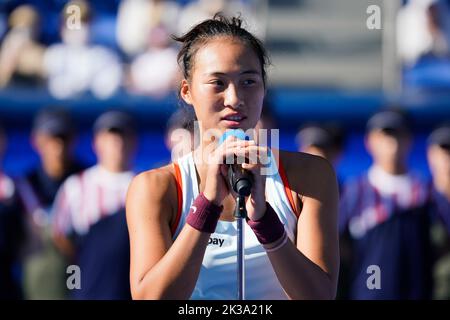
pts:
[218, 274]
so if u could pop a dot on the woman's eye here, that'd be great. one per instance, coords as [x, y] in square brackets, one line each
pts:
[217, 82]
[249, 82]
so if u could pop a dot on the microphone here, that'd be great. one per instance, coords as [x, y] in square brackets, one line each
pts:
[239, 179]
[241, 182]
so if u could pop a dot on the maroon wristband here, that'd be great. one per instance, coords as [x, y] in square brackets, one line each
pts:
[204, 214]
[269, 228]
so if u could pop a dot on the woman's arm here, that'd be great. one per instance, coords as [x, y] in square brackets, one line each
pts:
[309, 270]
[160, 268]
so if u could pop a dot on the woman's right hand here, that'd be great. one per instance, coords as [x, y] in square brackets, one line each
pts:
[216, 184]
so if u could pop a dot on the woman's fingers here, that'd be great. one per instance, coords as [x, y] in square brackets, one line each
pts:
[239, 151]
[231, 143]
[252, 154]
[251, 167]
[236, 144]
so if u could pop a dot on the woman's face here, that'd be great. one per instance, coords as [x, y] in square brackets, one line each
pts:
[226, 87]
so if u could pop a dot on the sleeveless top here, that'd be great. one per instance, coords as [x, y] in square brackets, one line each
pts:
[218, 274]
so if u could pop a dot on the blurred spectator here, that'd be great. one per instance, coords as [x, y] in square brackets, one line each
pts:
[137, 19]
[3, 23]
[11, 234]
[384, 215]
[44, 268]
[267, 120]
[423, 39]
[439, 24]
[422, 29]
[199, 10]
[325, 141]
[155, 72]
[90, 223]
[439, 161]
[74, 66]
[20, 53]
[180, 133]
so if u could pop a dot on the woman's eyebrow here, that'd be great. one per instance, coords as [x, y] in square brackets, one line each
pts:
[251, 71]
[214, 73]
[217, 73]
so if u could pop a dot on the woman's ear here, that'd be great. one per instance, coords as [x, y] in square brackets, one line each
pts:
[185, 92]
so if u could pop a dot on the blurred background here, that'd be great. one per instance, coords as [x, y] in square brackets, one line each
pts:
[333, 62]
[327, 65]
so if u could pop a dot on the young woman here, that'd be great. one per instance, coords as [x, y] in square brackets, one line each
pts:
[180, 217]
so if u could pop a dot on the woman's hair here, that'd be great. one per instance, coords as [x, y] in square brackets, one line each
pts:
[218, 26]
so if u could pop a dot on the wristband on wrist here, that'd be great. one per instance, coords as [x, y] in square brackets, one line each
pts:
[204, 214]
[281, 242]
[269, 228]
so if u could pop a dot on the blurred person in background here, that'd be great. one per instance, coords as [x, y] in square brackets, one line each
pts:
[423, 41]
[138, 21]
[439, 24]
[325, 141]
[423, 29]
[75, 66]
[180, 133]
[11, 234]
[21, 54]
[267, 120]
[52, 137]
[155, 72]
[385, 216]
[438, 154]
[90, 226]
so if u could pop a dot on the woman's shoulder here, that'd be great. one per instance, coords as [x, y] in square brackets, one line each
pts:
[158, 178]
[155, 187]
[307, 172]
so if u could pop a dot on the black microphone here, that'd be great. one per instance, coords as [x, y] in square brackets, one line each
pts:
[240, 180]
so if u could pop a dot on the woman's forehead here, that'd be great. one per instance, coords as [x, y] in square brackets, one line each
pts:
[226, 55]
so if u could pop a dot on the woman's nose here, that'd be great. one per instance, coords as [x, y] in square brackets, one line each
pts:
[232, 97]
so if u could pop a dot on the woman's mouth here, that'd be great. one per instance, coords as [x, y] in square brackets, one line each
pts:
[233, 120]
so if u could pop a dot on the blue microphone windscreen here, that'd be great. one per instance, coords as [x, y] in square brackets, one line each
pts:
[238, 133]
